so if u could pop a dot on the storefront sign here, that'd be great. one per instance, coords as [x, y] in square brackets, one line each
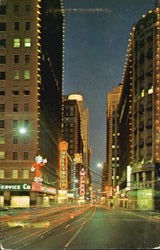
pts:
[63, 165]
[39, 187]
[15, 187]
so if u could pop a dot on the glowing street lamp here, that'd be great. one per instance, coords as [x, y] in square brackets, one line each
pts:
[99, 165]
[20, 130]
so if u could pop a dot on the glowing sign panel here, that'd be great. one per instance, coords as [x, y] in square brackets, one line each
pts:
[63, 165]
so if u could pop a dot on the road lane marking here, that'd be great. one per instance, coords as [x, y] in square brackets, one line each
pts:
[74, 236]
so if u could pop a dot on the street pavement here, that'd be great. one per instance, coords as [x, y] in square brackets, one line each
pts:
[93, 227]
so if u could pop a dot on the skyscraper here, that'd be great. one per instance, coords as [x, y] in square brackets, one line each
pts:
[112, 149]
[31, 48]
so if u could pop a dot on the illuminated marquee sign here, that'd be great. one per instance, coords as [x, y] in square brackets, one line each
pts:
[15, 187]
[63, 165]
[82, 183]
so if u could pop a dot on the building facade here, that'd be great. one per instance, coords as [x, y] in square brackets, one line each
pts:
[31, 45]
[75, 132]
[112, 146]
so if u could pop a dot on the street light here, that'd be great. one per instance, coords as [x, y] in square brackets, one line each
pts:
[99, 165]
[20, 130]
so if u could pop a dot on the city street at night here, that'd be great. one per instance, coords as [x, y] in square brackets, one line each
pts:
[81, 227]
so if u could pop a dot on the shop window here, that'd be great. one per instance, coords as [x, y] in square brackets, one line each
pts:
[16, 42]
[15, 107]
[27, 74]
[15, 155]
[16, 26]
[15, 174]
[3, 9]
[16, 58]
[2, 43]
[16, 75]
[2, 59]
[25, 174]
[15, 139]
[27, 42]
[2, 124]
[2, 75]
[2, 140]
[2, 173]
[2, 107]
[2, 26]
[2, 155]
[25, 155]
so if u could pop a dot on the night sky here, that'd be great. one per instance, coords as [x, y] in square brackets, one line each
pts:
[95, 47]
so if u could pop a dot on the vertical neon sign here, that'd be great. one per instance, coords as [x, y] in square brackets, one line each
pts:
[63, 165]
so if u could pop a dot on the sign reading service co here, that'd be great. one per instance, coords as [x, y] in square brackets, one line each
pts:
[15, 187]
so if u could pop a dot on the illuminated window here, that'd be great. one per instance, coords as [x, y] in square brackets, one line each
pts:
[150, 91]
[27, 74]
[15, 123]
[16, 75]
[113, 146]
[1, 173]
[15, 174]
[25, 174]
[142, 93]
[2, 155]
[27, 42]
[2, 140]
[16, 42]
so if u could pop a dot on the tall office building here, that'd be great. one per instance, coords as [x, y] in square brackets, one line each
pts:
[31, 45]
[75, 132]
[112, 148]
[146, 110]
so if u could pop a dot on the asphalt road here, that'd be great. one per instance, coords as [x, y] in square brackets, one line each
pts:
[96, 228]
